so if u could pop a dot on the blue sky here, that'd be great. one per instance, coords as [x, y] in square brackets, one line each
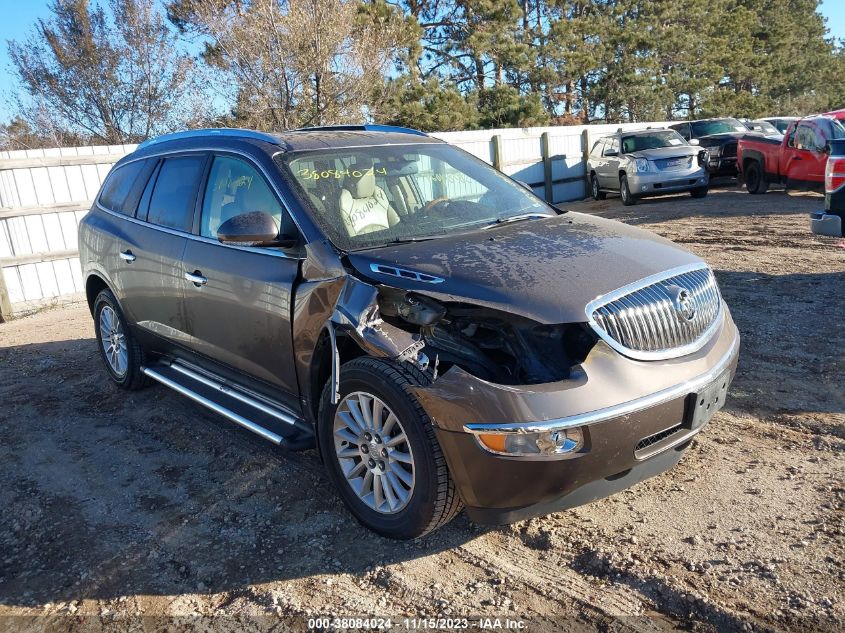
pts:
[20, 15]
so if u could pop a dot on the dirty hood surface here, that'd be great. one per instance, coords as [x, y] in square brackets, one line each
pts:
[547, 270]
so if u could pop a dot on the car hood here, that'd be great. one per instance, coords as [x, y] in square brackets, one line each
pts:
[666, 152]
[718, 139]
[545, 269]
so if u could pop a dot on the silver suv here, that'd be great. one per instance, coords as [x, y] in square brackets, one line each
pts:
[647, 163]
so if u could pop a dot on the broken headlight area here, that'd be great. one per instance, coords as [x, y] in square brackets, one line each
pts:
[490, 344]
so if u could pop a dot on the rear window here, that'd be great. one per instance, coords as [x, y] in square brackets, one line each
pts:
[119, 186]
[175, 192]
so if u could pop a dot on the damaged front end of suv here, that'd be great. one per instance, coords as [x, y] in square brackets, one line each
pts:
[514, 363]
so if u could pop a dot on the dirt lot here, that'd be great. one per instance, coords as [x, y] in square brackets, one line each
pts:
[117, 506]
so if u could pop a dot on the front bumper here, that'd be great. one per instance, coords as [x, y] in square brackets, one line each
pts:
[660, 182]
[723, 166]
[616, 402]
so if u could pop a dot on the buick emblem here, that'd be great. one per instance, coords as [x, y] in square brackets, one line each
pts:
[682, 301]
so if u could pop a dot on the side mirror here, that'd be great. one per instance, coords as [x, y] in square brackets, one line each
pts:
[611, 152]
[694, 141]
[252, 229]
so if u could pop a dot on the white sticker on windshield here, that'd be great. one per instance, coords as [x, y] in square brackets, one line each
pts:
[674, 141]
[739, 128]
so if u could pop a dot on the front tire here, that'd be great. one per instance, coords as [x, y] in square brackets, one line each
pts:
[381, 453]
[755, 179]
[625, 191]
[120, 351]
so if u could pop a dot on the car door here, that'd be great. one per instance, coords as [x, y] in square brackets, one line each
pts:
[609, 178]
[151, 250]
[803, 160]
[238, 300]
[597, 159]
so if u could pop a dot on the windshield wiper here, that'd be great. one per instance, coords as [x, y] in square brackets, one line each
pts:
[516, 218]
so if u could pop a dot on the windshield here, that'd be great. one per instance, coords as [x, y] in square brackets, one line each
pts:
[781, 124]
[363, 197]
[717, 126]
[653, 140]
[764, 127]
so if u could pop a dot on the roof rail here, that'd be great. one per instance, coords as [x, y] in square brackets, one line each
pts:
[368, 127]
[229, 132]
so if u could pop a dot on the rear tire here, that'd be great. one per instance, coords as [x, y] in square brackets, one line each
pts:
[427, 498]
[119, 350]
[627, 197]
[755, 179]
[598, 194]
[701, 192]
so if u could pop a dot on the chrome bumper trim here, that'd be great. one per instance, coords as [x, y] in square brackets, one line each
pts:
[615, 411]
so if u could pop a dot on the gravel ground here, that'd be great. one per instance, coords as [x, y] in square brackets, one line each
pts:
[118, 506]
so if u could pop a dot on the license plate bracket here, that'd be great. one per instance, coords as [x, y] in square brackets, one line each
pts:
[709, 400]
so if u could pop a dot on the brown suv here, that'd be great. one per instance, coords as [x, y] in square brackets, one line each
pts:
[446, 338]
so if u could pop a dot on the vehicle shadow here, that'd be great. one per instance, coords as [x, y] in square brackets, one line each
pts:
[109, 493]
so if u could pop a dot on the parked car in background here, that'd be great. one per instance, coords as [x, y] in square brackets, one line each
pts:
[798, 160]
[443, 337]
[831, 221]
[781, 122]
[761, 127]
[646, 163]
[719, 137]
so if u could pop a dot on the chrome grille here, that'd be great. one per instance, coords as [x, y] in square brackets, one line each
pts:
[645, 321]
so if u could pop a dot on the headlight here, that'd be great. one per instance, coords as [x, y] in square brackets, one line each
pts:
[547, 443]
[641, 164]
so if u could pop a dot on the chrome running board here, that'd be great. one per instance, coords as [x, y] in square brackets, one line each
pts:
[232, 403]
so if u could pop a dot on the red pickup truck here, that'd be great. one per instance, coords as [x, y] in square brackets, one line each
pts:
[797, 161]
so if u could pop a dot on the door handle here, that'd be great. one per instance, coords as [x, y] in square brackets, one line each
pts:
[196, 278]
[128, 256]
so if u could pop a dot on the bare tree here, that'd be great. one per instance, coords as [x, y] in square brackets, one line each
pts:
[112, 79]
[288, 64]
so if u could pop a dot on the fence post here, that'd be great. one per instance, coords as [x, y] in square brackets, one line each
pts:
[548, 187]
[497, 152]
[5, 302]
[585, 142]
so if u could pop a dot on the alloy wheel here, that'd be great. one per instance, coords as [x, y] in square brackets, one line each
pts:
[374, 452]
[113, 340]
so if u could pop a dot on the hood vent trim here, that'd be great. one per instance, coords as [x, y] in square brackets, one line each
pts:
[404, 273]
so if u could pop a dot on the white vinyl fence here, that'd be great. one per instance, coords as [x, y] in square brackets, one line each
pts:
[45, 193]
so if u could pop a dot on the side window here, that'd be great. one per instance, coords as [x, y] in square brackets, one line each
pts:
[612, 145]
[235, 187]
[683, 129]
[597, 147]
[174, 194]
[123, 185]
[805, 137]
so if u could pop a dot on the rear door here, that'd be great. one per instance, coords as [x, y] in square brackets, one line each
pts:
[238, 306]
[151, 250]
[609, 176]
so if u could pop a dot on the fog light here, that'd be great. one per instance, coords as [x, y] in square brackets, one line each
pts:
[527, 444]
